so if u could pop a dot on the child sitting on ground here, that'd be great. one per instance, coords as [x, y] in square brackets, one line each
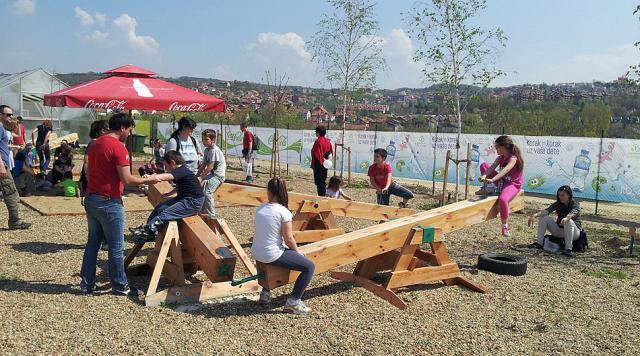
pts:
[63, 164]
[380, 173]
[68, 185]
[334, 189]
[42, 184]
[188, 202]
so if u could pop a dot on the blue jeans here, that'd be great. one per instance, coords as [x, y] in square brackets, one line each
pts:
[105, 217]
[394, 189]
[295, 261]
[174, 209]
[44, 155]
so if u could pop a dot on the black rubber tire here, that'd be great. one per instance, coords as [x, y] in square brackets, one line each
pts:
[499, 263]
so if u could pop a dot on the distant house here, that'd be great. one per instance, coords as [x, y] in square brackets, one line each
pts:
[319, 115]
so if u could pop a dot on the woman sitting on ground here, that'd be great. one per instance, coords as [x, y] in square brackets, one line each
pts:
[567, 225]
[273, 243]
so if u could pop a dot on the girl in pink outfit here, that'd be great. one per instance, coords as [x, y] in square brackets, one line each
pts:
[510, 175]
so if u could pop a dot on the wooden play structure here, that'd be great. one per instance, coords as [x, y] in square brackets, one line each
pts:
[314, 221]
[389, 245]
[183, 248]
[55, 141]
[388, 256]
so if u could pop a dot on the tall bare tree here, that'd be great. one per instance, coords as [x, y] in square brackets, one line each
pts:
[277, 90]
[454, 50]
[347, 48]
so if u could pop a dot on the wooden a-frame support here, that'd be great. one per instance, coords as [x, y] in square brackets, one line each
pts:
[184, 247]
[314, 221]
[410, 265]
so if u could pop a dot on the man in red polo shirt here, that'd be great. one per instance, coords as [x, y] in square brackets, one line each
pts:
[247, 151]
[320, 151]
[108, 173]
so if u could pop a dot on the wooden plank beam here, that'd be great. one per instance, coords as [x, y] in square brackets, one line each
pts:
[316, 235]
[378, 239]
[198, 292]
[209, 251]
[255, 196]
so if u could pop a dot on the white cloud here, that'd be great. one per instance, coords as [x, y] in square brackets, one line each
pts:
[101, 18]
[398, 50]
[289, 39]
[85, 18]
[24, 7]
[285, 52]
[123, 31]
[98, 36]
[125, 28]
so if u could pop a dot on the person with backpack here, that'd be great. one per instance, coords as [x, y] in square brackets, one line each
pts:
[249, 145]
[183, 142]
[567, 225]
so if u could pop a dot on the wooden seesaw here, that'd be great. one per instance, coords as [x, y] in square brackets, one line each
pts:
[394, 246]
[184, 247]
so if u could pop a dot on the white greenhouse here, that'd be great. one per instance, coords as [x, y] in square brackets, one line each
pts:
[25, 92]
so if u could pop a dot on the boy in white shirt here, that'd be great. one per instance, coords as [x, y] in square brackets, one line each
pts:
[211, 171]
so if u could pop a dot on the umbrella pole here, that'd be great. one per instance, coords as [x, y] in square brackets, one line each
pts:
[129, 144]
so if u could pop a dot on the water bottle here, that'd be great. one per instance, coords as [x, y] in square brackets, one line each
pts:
[580, 170]
[475, 161]
[391, 152]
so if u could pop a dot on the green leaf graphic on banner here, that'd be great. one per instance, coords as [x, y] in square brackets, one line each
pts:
[264, 149]
[364, 166]
[535, 182]
[296, 146]
[597, 186]
[400, 164]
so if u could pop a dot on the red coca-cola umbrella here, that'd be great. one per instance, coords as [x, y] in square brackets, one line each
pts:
[133, 88]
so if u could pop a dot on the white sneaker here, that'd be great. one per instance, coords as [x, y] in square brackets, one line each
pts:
[265, 297]
[296, 308]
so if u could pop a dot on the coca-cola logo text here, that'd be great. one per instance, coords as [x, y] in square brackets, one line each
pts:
[186, 107]
[111, 104]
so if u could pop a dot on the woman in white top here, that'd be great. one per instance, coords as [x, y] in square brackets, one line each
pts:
[273, 243]
[182, 141]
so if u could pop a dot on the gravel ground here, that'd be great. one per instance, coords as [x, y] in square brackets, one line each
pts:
[585, 305]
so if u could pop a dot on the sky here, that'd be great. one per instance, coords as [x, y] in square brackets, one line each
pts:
[550, 41]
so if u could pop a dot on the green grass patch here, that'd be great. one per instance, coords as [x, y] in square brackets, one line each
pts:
[606, 273]
[6, 278]
[358, 184]
[428, 206]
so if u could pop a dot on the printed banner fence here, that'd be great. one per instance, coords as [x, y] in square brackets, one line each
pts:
[611, 167]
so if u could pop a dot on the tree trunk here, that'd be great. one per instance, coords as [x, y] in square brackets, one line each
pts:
[459, 115]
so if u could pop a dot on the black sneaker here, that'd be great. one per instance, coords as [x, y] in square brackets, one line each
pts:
[568, 253]
[86, 291]
[144, 235]
[129, 292]
[136, 230]
[21, 226]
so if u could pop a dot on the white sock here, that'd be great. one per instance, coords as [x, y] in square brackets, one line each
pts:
[505, 225]
[292, 301]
